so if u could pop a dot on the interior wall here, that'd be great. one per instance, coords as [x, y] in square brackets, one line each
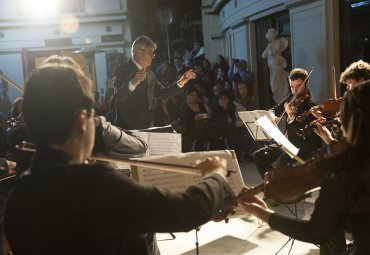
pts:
[309, 40]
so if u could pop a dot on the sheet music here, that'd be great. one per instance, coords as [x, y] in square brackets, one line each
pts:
[161, 143]
[249, 119]
[179, 182]
[158, 144]
[275, 133]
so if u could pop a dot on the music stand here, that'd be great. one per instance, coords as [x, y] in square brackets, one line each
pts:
[249, 119]
[285, 145]
[289, 238]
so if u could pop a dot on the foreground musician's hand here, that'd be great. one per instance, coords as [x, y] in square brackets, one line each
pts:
[212, 165]
[255, 206]
[322, 131]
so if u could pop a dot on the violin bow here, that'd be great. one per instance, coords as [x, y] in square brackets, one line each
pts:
[13, 84]
[167, 167]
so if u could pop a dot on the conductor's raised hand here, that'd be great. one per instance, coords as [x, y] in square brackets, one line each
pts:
[211, 165]
[187, 76]
[139, 77]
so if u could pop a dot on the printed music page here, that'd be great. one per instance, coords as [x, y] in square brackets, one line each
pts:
[158, 144]
[179, 182]
[250, 117]
[275, 133]
[161, 143]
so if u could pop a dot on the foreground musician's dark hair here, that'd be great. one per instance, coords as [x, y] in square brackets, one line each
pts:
[57, 92]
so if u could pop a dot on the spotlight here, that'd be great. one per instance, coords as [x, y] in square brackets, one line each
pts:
[40, 8]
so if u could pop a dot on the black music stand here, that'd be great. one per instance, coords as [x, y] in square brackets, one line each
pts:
[289, 238]
[196, 240]
[249, 119]
[270, 130]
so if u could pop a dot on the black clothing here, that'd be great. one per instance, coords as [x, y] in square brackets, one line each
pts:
[266, 155]
[195, 134]
[312, 142]
[134, 109]
[223, 134]
[335, 207]
[59, 207]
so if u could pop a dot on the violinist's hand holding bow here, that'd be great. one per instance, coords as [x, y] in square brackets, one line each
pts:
[290, 111]
[255, 206]
[322, 131]
[212, 165]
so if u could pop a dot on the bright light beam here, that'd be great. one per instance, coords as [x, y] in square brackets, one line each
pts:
[40, 8]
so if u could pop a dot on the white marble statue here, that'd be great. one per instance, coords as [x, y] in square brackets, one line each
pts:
[277, 64]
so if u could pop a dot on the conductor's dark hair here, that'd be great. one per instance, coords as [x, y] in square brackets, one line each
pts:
[53, 95]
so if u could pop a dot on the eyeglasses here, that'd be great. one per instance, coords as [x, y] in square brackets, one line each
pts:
[151, 52]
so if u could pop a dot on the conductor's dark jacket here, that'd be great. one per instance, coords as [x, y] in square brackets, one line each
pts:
[134, 109]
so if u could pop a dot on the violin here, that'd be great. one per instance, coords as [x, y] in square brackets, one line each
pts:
[292, 183]
[329, 109]
[309, 129]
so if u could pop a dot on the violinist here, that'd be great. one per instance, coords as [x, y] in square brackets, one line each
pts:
[265, 156]
[344, 199]
[62, 206]
[354, 75]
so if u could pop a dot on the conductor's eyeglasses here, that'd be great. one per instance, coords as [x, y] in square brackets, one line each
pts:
[151, 52]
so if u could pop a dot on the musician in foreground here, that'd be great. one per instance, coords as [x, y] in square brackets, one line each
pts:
[63, 206]
[345, 195]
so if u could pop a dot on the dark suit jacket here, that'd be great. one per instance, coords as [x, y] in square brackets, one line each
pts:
[134, 109]
[306, 145]
[61, 208]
